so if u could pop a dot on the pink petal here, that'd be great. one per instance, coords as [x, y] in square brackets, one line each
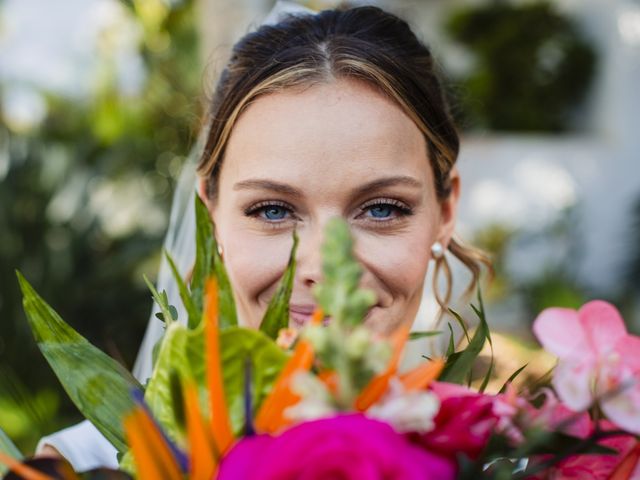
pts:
[603, 325]
[560, 332]
[628, 349]
[572, 381]
[623, 408]
[444, 390]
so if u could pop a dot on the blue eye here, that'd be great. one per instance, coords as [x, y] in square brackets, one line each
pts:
[271, 212]
[381, 211]
[385, 210]
[274, 212]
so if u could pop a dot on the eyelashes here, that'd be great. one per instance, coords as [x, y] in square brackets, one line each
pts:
[379, 212]
[271, 211]
[382, 209]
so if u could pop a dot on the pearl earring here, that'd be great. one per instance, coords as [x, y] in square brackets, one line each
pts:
[219, 249]
[437, 251]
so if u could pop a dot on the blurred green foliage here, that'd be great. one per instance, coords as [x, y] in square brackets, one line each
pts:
[84, 200]
[532, 66]
[551, 281]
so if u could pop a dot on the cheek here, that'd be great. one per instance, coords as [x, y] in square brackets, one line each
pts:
[396, 264]
[254, 264]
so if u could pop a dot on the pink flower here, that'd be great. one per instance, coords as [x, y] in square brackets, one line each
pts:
[345, 446]
[593, 467]
[597, 360]
[555, 416]
[463, 425]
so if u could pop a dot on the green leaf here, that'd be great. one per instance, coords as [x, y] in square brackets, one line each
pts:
[558, 446]
[168, 313]
[205, 246]
[7, 447]
[238, 344]
[459, 367]
[418, 335]
[182, 354]
[451, 348]
[172, 359]
[277, 314]
[338, 294]
[512, 378]
[461, 322]
[209, 263]
[98, 385]
[483, 319]
[487, 376]
[228, 316]
[193, 313]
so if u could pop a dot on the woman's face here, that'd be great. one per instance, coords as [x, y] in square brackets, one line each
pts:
[297, 158]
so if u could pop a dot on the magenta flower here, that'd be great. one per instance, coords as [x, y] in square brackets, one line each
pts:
[597, 360]
[462, 426]
[346, 447]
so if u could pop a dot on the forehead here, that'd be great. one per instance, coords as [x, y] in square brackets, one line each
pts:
[342, 132]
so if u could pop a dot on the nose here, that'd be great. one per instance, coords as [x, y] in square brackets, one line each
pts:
[308, 257]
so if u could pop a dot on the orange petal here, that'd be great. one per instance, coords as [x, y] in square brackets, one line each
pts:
[151, 453]
[330, 380]
[379, 384]
[220, 423]
[202, 454]
[420, 377]
[317, 317]
[373, 391]
[22, 470]
[271, 416]
[626, 468]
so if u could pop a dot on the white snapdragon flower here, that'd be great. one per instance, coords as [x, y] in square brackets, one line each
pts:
[406, 411]
[315, 399]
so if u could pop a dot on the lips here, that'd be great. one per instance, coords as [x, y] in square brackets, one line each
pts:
[301, 315]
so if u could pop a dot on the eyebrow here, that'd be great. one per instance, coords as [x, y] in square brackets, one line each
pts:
[260, 184]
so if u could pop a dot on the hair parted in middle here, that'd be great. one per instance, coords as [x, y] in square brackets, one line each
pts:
[361, 43]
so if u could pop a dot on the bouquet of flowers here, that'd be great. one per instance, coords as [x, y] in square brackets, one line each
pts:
[328, 401]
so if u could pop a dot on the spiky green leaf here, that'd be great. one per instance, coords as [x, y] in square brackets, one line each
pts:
[512, 377]
[209, 263]
[193, 314]
[458, 368]
[277, 314]
[425, 334]
[205, 246]
[168, 313]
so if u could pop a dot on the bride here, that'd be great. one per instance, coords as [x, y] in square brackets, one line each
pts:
[338, 113]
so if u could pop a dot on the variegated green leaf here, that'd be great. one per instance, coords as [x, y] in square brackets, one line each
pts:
[182, 351]
[238, 344]
[98, 385]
